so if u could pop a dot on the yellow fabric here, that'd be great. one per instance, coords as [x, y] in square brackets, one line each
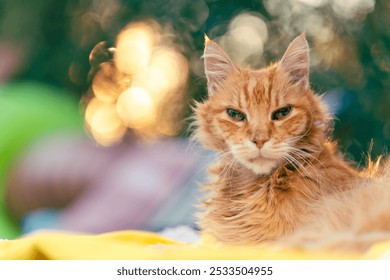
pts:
[146, 245]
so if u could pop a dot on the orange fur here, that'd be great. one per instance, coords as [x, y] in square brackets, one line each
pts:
[273, 176]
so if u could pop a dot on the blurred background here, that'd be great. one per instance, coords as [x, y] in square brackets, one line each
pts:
[158, 45]
[134, 66]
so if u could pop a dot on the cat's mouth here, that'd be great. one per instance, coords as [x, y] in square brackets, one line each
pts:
[260, 161]
[261, 165]
[254, 159]
[260, 158]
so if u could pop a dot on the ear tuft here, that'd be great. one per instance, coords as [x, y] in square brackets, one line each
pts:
[295, 61]
[217, 64]
[206, 39]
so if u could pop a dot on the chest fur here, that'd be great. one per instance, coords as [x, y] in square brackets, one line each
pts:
[260, 209]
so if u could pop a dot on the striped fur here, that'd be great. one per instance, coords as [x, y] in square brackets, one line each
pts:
[263, 192]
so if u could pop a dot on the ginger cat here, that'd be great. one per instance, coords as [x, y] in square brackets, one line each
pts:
[278, 174]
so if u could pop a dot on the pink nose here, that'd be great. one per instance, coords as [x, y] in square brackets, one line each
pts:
[259, 142]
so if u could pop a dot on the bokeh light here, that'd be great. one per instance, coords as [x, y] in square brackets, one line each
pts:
[133, 48]
[168, 70]
[245, 38]
[157, 46]
[145, 76]
[103, 122]
[103, 85]
[352, 8]
[136, 107]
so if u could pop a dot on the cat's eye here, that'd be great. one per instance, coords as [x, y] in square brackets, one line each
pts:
[281, 113]
[235, 114]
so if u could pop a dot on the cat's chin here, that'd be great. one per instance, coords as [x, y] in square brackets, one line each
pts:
[260, 166]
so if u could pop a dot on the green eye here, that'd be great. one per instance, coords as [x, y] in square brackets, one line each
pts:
[235, 114]
[281, 113]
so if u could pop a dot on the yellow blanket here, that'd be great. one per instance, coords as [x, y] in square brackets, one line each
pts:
[146, 245]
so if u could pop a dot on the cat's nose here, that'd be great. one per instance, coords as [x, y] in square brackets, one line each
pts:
[259, 142]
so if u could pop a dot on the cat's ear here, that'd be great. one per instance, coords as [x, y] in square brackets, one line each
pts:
[295, 61]
[217, 65]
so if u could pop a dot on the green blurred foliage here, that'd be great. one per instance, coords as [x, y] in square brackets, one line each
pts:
[349, 41]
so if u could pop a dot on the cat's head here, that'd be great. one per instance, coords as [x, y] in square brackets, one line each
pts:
[263, 118]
